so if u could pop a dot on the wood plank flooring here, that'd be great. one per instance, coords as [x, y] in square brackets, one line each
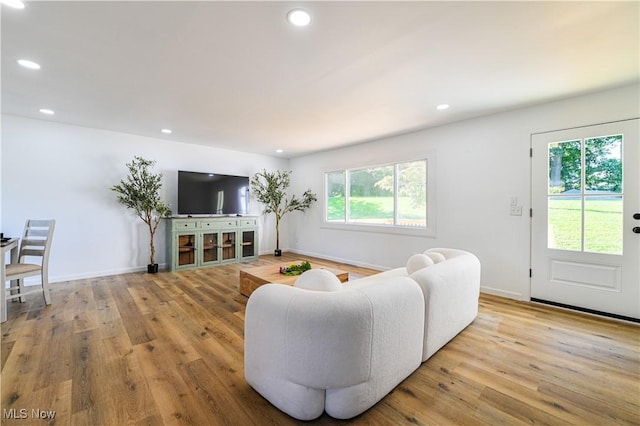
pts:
[168, 349]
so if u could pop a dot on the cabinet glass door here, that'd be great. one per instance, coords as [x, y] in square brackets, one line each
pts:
[228, 245]
[210, 247]
[186, 250]
[247, 243]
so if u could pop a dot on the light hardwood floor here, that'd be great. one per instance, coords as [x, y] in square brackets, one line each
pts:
[168, 349]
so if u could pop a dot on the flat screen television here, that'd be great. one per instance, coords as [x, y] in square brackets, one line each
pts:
[212, 193]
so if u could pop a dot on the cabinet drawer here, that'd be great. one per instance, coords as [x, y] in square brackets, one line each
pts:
[225, 224]
[184, 225]
[249, 223]
[209, 224]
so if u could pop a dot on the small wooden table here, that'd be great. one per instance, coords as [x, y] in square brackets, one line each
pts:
[251, 279]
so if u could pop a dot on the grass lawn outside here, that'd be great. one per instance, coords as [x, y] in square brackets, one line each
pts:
[603, 219]
[602, 228]
[377, 210]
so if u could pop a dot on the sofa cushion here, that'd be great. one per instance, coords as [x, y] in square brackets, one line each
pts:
[435, 256]
[417, 262]
[318, 280]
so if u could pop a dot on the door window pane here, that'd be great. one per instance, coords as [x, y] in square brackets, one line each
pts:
[565, 223]
[565, 165]
[603, 224]
[603, 164]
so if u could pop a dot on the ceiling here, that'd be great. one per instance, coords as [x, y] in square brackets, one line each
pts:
[236, 75]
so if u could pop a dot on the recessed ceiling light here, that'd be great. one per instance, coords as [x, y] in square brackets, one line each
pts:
[279, 151]
[29, 64]
[47, 111]
[167, 131]
[442, 107]
[16, 4]
[298, 17]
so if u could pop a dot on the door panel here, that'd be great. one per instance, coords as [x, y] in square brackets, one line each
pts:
[585, 190]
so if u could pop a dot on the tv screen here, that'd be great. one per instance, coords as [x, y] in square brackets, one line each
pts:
[212, 193]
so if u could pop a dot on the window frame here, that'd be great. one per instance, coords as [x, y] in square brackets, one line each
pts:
[427, 231]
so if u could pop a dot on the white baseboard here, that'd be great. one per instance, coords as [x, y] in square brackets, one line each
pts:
[105, 273]
[503, 293]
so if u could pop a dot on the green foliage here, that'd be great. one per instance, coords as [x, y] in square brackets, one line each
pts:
[335, 208]
[412, 182]
[603, 166]
[141, 193]
[364, 182]
[270, 189]
[294, 269]
[336, 184]
[564, 166]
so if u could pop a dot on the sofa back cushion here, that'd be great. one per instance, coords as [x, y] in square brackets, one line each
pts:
[417, 262]
[318, 280]
[436, 256]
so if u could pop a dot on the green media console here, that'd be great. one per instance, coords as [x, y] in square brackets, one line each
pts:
[199, 242]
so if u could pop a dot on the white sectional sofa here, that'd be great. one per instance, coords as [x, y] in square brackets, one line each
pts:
[323, 346]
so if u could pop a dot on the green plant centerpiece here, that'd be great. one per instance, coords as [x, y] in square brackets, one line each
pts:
[295, 269]
[141, 193]
[270, 188]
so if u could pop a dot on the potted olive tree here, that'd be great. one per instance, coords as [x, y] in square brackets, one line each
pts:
[270, 188]
[140, 192]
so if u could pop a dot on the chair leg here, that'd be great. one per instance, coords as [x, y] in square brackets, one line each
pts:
[21, 290]
[45, 290]
[3, 295]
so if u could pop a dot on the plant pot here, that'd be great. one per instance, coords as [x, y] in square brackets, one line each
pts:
[277, 252]
[152, 268]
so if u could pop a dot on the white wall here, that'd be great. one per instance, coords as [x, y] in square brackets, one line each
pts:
[65, 172]
[481, 164]
[52, 170]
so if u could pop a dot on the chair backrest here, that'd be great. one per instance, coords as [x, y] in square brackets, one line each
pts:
[36, 240]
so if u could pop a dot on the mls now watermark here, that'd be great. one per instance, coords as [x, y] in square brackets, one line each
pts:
[23, 413]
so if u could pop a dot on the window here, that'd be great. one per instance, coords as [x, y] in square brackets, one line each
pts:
[390, 195]
[585, 195]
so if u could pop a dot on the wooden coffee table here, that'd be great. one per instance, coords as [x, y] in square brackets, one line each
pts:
[251, 279]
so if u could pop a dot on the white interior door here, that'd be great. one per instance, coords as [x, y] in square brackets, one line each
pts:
[585, 240]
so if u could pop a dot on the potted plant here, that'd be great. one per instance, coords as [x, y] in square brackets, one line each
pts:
[140, 192]
[270, 188]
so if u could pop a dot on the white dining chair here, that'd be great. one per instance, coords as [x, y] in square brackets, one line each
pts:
[33, 260]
